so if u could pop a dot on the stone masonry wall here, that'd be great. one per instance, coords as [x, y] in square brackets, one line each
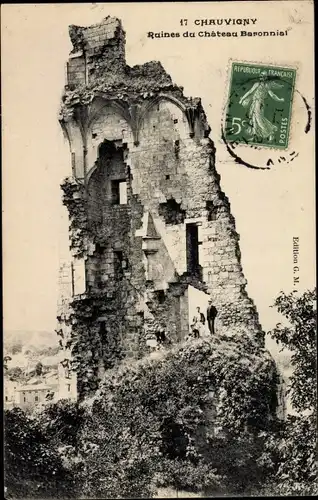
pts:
[134, 124]
[96, 48]
[187, 174]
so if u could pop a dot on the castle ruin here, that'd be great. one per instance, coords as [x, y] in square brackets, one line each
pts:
[149, 223]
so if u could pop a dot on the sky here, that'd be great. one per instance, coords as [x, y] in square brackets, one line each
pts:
[270, 206]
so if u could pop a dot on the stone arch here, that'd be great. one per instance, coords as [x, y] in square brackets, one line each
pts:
[165, 97]
[108, 120]
[162, 110]
[146, 109]
[100, 102]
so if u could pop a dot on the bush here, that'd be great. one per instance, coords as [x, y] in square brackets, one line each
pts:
[33, 467]
[61, 422]
[16, 374]
[153, 422]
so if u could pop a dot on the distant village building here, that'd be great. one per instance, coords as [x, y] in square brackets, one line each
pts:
[40, 390]
[31, 395]
[10, 394]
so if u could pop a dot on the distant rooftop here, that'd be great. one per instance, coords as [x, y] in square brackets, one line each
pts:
[35, 387]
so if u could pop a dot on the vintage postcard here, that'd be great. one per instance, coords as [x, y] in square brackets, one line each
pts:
[159, 249]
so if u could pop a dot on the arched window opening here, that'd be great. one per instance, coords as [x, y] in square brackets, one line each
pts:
[108, 183]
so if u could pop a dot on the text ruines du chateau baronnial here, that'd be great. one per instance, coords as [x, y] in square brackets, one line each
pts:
[211, 28]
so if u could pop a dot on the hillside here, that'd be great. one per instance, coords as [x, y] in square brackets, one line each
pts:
[20, 340]
[25, 349]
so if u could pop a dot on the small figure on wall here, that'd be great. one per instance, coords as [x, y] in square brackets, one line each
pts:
[198, 323]
[211, 315]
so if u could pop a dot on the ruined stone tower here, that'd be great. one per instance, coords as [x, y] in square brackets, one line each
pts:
[148, 220]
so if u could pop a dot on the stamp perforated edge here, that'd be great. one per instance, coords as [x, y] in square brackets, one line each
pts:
[296, 66]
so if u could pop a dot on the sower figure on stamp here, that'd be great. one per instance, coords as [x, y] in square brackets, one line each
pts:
[211, 315]
[198, 323]
[254, 101]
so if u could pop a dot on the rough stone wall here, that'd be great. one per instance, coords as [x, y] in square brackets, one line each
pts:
[67, 383]
[96, 49]
[65, 284]
[134, 124]
[170, 165]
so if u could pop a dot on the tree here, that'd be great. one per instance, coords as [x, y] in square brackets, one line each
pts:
[300, 337]
[39, 369]
[5, 361]
[15, 374]
[61, 422]
[296, 469]
[33, 466]
[16, 347]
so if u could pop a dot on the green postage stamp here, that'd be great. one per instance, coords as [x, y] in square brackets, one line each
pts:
[259, 105]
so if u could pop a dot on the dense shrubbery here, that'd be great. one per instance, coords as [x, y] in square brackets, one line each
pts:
[199, 417]
[150, 423]
[33, 466]
[296, 443]
[61, 422]
[152, 420]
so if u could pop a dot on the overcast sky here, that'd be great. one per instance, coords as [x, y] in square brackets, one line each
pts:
[270, 207]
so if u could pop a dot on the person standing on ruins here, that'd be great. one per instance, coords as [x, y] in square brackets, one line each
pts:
[211, 315]
[198, 323]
